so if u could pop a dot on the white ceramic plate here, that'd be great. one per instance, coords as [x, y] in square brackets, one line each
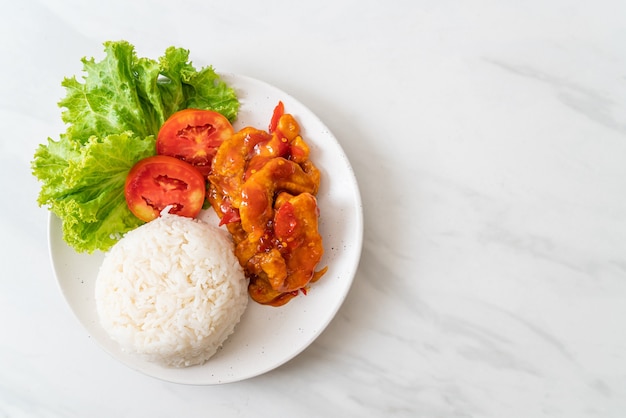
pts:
[266, 337]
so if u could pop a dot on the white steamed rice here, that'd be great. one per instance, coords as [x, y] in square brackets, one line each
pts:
[172, 291]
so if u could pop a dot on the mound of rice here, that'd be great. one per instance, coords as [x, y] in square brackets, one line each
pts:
[172, 291]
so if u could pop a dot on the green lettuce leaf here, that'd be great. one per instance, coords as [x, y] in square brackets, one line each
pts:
[86, 187]
[113, 116]
[125, 93]
[184, 87]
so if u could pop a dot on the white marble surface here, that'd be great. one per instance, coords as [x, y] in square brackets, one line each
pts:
[489, 141]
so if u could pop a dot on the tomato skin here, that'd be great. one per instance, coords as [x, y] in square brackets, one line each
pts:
[279, 110]
[285, 221]
[193, 135]
[160, 181]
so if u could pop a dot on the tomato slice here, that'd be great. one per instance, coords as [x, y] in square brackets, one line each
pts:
[193, 135]
[160, 181]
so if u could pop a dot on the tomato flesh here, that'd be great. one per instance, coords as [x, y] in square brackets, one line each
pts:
[193, 136]
[155, 183]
